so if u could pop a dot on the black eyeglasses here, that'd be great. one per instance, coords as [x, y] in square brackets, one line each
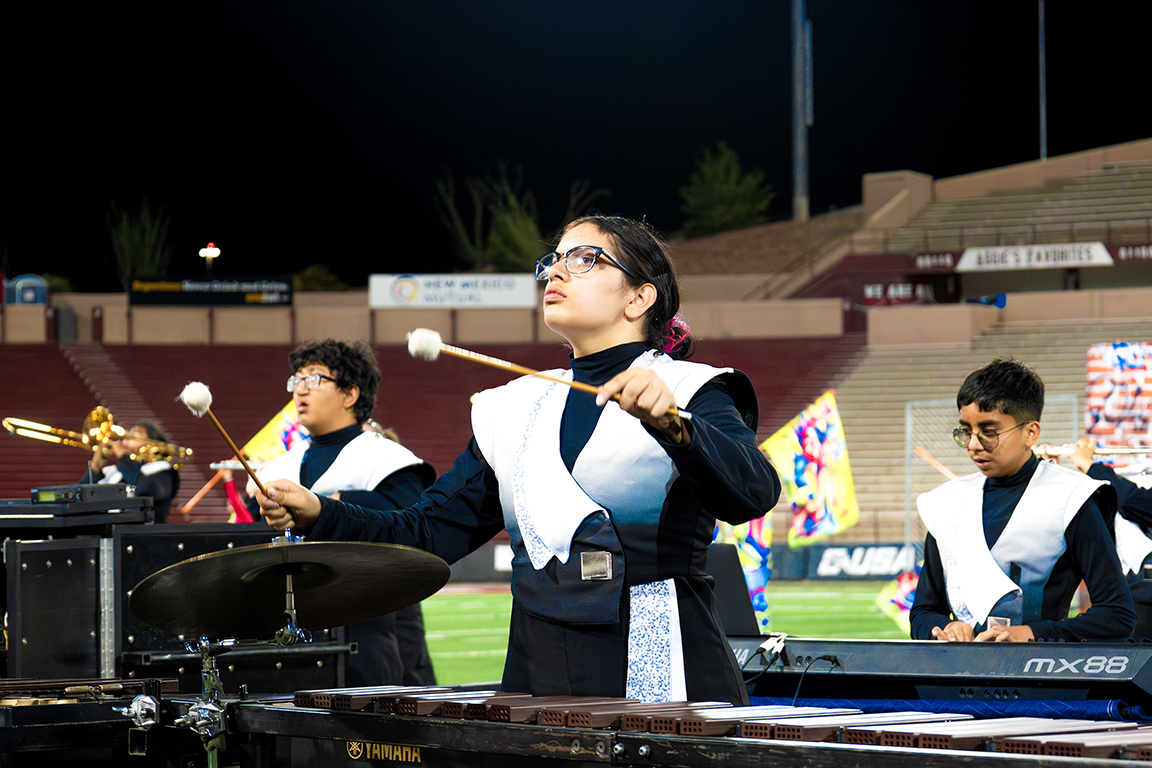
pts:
[311, 381]
[987, 438]
[577, 261]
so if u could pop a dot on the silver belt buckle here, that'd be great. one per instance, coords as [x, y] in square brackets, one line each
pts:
[595, 566]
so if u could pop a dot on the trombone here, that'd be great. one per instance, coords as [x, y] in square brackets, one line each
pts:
[1101, 450]
[98, 431]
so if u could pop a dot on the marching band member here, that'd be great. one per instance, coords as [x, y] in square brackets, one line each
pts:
[115, 462]
[334, 388]
[610, 505]
[1008, 545]
[1133, 521]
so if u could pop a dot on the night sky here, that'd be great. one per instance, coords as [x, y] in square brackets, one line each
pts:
[291, 133]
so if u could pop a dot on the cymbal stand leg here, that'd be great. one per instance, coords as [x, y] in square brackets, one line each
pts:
[206, 716]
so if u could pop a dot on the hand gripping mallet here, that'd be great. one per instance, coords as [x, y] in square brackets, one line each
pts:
[426, 344]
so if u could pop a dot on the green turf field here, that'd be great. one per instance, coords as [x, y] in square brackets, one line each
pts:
[468, 632]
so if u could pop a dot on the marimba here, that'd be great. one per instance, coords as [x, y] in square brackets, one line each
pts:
[437, 727]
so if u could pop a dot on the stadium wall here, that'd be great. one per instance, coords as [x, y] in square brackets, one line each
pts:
[109, 318]
[315, 318]
[960, 323]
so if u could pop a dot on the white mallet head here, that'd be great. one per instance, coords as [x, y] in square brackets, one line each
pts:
[197, 397]
[424, 343]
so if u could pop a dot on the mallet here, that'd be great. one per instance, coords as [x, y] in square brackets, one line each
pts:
[198, 398]
[427, 345]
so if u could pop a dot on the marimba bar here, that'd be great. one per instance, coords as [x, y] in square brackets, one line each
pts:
[832, 728]
[622, 716]
[976, 734]
[1136, 742]
[433, 703]
[725, 722]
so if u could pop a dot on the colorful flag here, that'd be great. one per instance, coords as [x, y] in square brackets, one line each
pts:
[276, 437]
[753, 541]
[811, 457]
[895, 600]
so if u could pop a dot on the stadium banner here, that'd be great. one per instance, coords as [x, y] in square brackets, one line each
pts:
[1131, 252]
[811, 456]
[861, 562]
[247, 291]
[1118, 402]
[867, 561]
[1062, 256]
[883, 265]
[447, 291]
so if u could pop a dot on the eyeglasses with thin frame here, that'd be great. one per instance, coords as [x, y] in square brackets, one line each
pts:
[311, 381]
[987, 438]
[577, 261]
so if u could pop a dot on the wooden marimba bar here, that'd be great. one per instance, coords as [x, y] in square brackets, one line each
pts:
[454, 727]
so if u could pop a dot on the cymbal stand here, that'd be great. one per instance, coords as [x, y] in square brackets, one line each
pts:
[291, 633]
[206, 716]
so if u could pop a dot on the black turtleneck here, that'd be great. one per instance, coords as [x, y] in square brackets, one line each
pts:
[1001, 495]
[323, 451]
[580, 412]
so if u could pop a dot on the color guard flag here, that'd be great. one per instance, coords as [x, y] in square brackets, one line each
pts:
[753, 541]
[896, 598]
[811, 457]
[276, 437]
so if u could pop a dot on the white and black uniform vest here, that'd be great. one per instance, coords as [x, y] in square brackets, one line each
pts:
[568, 563]
[1132, 543]
[977, 579]
[111, 472]
[361, 465]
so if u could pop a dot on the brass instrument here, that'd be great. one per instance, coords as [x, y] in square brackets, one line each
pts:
[1101, 450]
[98, 432]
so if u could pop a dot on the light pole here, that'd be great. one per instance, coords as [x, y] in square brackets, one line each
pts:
[208, 254]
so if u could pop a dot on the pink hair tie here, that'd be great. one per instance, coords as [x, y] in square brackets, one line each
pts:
[676, 332]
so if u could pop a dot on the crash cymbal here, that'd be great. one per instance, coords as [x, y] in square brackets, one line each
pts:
[241, 593]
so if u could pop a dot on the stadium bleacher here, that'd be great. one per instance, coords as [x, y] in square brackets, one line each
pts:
[873, 396]
[1113, 204]
[41, 386]
[426, 403]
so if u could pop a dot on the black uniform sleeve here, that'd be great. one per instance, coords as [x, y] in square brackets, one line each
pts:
[1092, 554]
[930, 608]
[400, 489]
[721, 464]
[457, 514]
[1135, 502]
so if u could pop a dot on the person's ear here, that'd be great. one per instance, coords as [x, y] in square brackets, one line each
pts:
[642, 300]
[351, 395]
[1031, 433]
